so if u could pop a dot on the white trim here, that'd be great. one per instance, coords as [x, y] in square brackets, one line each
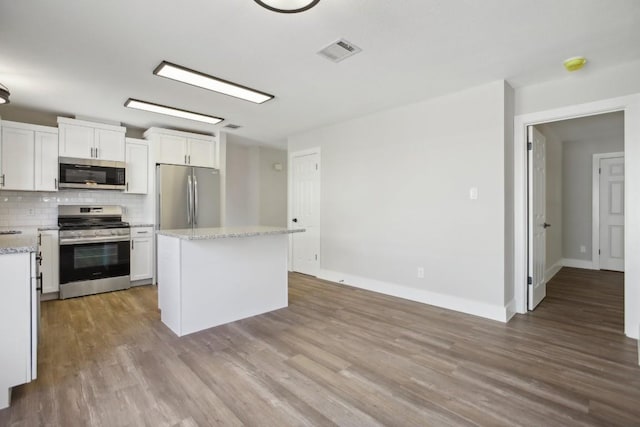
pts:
[631, 137]
[595, 205]
[299, 153]
[578, 263]
[553, 270]
[476, 308]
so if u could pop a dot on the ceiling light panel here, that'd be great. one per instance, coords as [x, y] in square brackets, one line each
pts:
[205, 81]
[170, 111]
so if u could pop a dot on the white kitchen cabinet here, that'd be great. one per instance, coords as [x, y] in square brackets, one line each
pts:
[18, 323]
[49, 260]
[137, 159]
[28, 157]
[46, 161]
[88, 140]
[183, 148]
[141, 253]
[17, 159]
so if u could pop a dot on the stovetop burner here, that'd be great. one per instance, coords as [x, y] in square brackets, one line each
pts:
[90, 217]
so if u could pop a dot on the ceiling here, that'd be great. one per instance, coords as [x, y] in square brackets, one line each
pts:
[86, 57]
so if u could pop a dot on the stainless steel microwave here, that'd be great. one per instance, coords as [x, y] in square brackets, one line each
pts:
[91, 174]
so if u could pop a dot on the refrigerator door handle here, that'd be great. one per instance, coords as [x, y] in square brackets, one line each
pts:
[189, 199]
[195, 200]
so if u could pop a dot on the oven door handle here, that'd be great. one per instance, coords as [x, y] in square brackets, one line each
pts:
[106, 239]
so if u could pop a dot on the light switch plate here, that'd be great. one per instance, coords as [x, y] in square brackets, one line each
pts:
[473, 193]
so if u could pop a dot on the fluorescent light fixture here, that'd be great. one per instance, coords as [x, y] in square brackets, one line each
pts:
[287, 6]
[196, 78]
[4, 95]
[170, 111]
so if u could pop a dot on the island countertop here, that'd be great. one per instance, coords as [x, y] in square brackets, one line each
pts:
[227, 232]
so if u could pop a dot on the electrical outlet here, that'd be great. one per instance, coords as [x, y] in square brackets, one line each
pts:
[420, 272]
[583, 249]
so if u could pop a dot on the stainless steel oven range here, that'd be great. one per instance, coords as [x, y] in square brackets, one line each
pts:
[94, 250]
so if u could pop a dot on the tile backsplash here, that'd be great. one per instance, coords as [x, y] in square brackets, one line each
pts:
[22, 208]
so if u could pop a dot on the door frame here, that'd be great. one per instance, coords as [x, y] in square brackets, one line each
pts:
[630, 105]
[595, 206]
[292, 155]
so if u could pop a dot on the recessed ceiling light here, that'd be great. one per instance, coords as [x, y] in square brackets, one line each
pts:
[4, 95]
[575, 63]
[170, 111]
[287, 6]
[196, 78]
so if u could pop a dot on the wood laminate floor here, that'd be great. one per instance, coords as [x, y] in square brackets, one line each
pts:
[338, 356]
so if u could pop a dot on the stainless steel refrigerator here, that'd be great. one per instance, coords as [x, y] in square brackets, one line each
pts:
[187, 197]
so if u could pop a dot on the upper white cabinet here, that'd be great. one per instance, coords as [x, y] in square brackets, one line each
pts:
[183, 148]
[28, 157]
[88, 140]
[137, 159]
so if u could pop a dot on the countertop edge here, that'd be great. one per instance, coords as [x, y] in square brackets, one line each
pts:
[229, 235]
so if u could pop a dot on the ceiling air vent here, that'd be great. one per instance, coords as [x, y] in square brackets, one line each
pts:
[339, 50]
[232, 126]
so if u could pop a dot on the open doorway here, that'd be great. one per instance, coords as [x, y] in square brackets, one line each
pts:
[576, 199]
[630, 106]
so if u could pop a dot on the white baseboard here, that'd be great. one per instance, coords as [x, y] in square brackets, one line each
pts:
[553, 270]
[488, 311]
[578, 263]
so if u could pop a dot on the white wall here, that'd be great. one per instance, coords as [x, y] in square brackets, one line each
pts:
[255, 192]
[395, 196]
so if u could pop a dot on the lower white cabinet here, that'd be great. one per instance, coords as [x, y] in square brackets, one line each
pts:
[141, 253]
[49, 261]
[19, 312]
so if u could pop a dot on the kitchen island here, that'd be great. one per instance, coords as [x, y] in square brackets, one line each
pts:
[212, 276]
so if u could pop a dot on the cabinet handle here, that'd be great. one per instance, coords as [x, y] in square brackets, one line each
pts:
[127, 186]
[55, 183]
[39, 278]
[97, 151]
[132, 245]
[92, 152]
[185, 160]
[189, 158]
[2, 180]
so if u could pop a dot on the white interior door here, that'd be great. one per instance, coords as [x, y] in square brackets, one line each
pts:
[612, 214]
[537, 218]
[305, 212]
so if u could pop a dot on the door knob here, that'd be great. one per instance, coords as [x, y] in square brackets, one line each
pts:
[295, 220]
[545, 225]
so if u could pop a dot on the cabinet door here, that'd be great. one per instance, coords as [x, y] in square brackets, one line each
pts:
[137, 157]
[46, 161]
[141, 258]
[15, 320]
[109, 145]
[49, 267]
[201, 153]
[76, 141]
[171, 149]
[16, 154]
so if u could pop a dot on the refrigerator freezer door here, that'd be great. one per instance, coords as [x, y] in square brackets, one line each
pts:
[206, 190]
[173, 197]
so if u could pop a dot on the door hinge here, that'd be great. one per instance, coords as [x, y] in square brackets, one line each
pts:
[529, 146]
[316, 257]
[529, 280]
[600, 170]
[598, 251]
[316, 166]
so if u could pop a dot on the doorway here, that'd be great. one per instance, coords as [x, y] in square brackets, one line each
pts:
[630, 106]
[569, 162]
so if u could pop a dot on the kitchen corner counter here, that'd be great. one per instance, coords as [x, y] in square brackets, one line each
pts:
[227, 232]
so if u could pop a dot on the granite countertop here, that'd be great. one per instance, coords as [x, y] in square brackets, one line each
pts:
[140, 224]
[227, 232]
[18, 243]
[48, 227]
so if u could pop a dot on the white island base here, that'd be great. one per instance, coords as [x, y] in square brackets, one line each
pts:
[209, 277]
